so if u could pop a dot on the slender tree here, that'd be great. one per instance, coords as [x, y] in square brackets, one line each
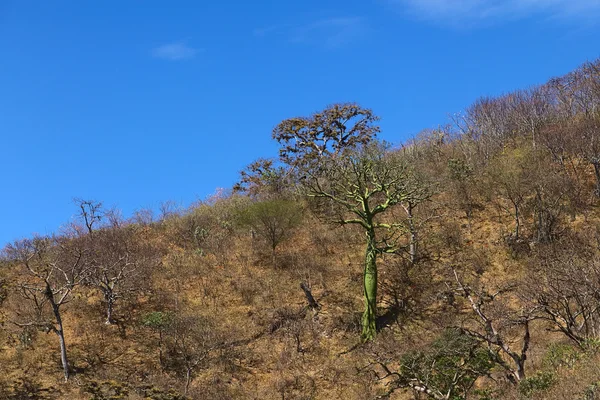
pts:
[53, 268]
[120, 258]
[272, 220]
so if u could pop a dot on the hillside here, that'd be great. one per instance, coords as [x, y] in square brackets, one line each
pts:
[464, 264]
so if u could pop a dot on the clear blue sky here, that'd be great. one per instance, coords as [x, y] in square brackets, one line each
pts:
[138, 102]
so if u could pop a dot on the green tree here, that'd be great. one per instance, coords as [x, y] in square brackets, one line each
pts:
[331, 154]
[271, 220]
[510, 178]
[362, 185]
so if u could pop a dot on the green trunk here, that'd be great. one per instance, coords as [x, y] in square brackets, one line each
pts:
[369, 327]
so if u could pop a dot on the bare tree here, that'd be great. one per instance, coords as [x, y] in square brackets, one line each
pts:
[120, 259]
[189, 341]
[53, 267]
[422, 189]
[509, 177]
[576, 101]
[486, 124]
[529, 111]
[121, 264]
[497, 326]
[185, 342]
[564, 283]
[462, 185]
[91, 213]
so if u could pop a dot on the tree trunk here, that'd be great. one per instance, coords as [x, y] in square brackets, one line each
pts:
[597, 172]
[188, 380]
[273, 258]
[517, 222]
[61, 338]
[59, 331]
[63, 352]
[519, 359]
[110, 304]
[369, 327]
[412, 250]
[520, 372]
[545, 221]
[312, 303]
[160, 352]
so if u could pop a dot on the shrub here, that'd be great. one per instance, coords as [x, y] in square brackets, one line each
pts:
[537, 383]
[561, 356]
[451, 365]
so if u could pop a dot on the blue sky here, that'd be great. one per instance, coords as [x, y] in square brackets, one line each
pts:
[138, 102]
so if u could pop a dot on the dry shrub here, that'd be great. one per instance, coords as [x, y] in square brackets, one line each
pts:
[28, 388]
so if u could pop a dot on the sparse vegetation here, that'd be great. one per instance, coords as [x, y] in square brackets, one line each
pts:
[475, 249]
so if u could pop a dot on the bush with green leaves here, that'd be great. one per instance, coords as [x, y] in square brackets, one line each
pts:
[272, 221]
[539, 382]
[561, 355]
[157, 320]
[448, 368]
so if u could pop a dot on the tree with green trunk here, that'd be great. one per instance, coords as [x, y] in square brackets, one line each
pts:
[339, 165]
[361, 185]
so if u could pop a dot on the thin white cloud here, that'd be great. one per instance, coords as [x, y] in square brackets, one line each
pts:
[269, 30]
[175, 51]
[331, 32]
[489, 11]
[328, 32]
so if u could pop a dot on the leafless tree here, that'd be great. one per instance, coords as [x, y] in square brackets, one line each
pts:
[53, 267]
[90, 213]
[529, 111]
[564, 282]
[120, 259]
[498, 326]
[189, 341]
[121, 264]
